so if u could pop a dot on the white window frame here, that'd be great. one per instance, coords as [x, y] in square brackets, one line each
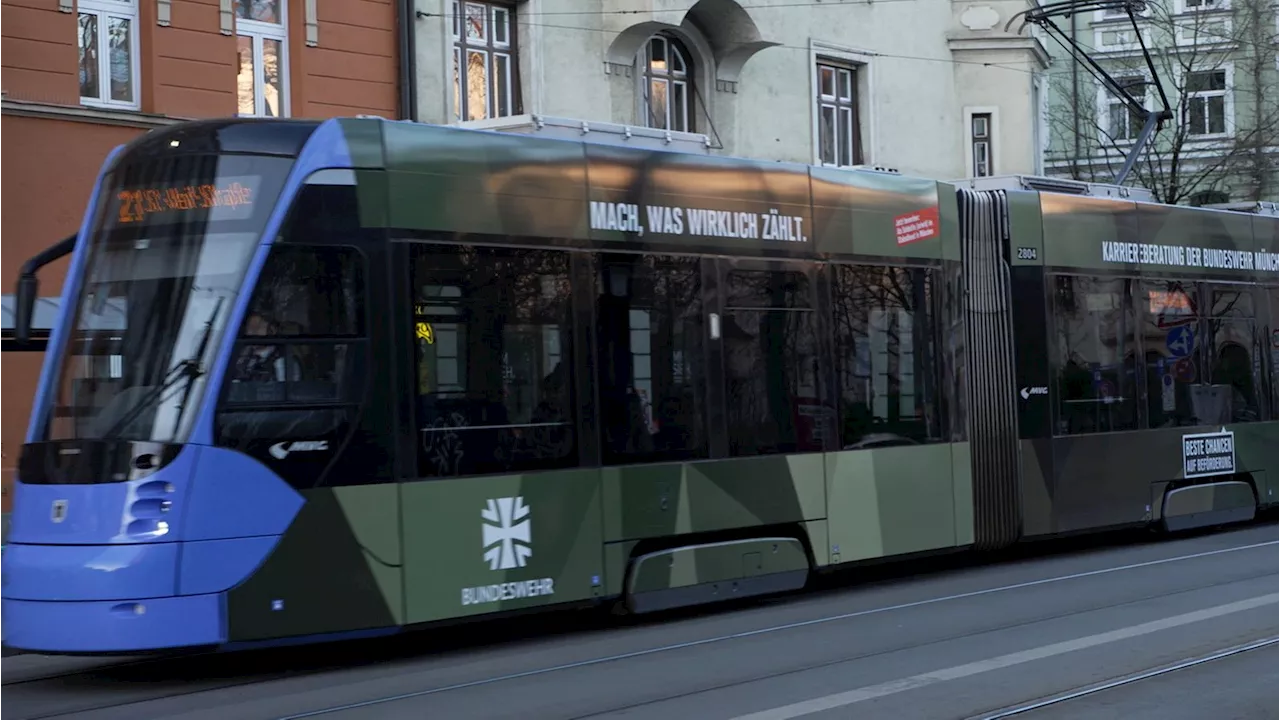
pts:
[864, 90]
[458, 47]
[1228, 102]
[689, 79]
[103, 9]
[992, 129]
[1187, 34]
[1106, 99]
[1184, 7]
[1107, 16]
[823, 100]
[258, 31]
[1099, 33]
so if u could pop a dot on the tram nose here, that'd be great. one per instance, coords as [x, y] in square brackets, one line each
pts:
[95, 514]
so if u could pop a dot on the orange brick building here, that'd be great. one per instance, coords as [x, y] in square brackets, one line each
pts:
[82, 76]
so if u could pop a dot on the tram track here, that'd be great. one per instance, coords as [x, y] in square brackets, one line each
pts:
[1126, 680]
[754, 678]
[861, 656]
[266, 667]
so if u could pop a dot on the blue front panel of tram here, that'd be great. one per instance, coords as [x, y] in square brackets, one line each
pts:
[130, 511]
[111, 626]
[62, 592]
[90, 572]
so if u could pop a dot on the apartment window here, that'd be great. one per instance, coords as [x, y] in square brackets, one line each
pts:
[108, 52]
[1206, 102]
[1194, 5]
[839, 137]
[484, 58]
[1122, 123]
[261, 40]
[668, 84]
[980, 143]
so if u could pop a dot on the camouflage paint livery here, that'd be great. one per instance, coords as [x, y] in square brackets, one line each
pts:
[424, 551]
[1080, 482]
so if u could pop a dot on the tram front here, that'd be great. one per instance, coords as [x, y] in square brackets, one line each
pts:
[113, 548]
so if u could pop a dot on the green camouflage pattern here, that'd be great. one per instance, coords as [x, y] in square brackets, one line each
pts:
[658, 501]
[415, 552]
[370, 556]
[446, 539]
[1065, 478]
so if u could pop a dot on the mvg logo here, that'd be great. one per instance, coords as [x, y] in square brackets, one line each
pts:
[281, 450]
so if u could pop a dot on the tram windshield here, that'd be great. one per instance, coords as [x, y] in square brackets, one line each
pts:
[170, 245]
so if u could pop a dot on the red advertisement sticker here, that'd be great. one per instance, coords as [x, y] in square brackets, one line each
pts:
[916, 226]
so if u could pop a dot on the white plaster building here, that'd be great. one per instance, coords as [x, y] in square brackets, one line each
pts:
[926, 87]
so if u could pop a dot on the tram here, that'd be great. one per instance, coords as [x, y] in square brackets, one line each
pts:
[318, 380]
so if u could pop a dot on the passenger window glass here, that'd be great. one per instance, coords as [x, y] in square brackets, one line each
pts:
[1231, 394]
[1094, 363]
[493, 331]
[306, 300]
[650, 357]
[1270, 340]
[774, 394]
[1171, 343]
[885, 357]
[299, 367]
[307, 291]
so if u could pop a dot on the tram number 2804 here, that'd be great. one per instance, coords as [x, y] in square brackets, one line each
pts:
[1026, 253]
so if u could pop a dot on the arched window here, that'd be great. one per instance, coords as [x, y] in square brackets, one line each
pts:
[668, 85]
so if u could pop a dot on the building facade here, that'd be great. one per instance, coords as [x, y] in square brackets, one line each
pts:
[928, 88]
[1216, 64]
[82, 76]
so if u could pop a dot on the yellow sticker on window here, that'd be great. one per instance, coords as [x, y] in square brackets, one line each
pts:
[425, 332]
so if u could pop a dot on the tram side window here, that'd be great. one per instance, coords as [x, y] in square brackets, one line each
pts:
[1094, 363]
[1171, 341]
[493, 349]
[650, 357]
[774, 385]
[1231, 394]
[1269, 338]
[299, 366]
[885, 356]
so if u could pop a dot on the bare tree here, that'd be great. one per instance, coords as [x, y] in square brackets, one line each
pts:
[1218, 71]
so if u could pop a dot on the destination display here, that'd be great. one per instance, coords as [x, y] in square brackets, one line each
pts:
[1131, 253]
[1207, 454]
[230, 199]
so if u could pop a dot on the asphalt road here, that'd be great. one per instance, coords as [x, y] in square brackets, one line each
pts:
[1168, 630]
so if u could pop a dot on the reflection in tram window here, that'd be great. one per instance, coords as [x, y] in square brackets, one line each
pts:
[1094, 362]
[494, 377]
[650, 354]
[774, 393]
[885, 356]
[1231, 344]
